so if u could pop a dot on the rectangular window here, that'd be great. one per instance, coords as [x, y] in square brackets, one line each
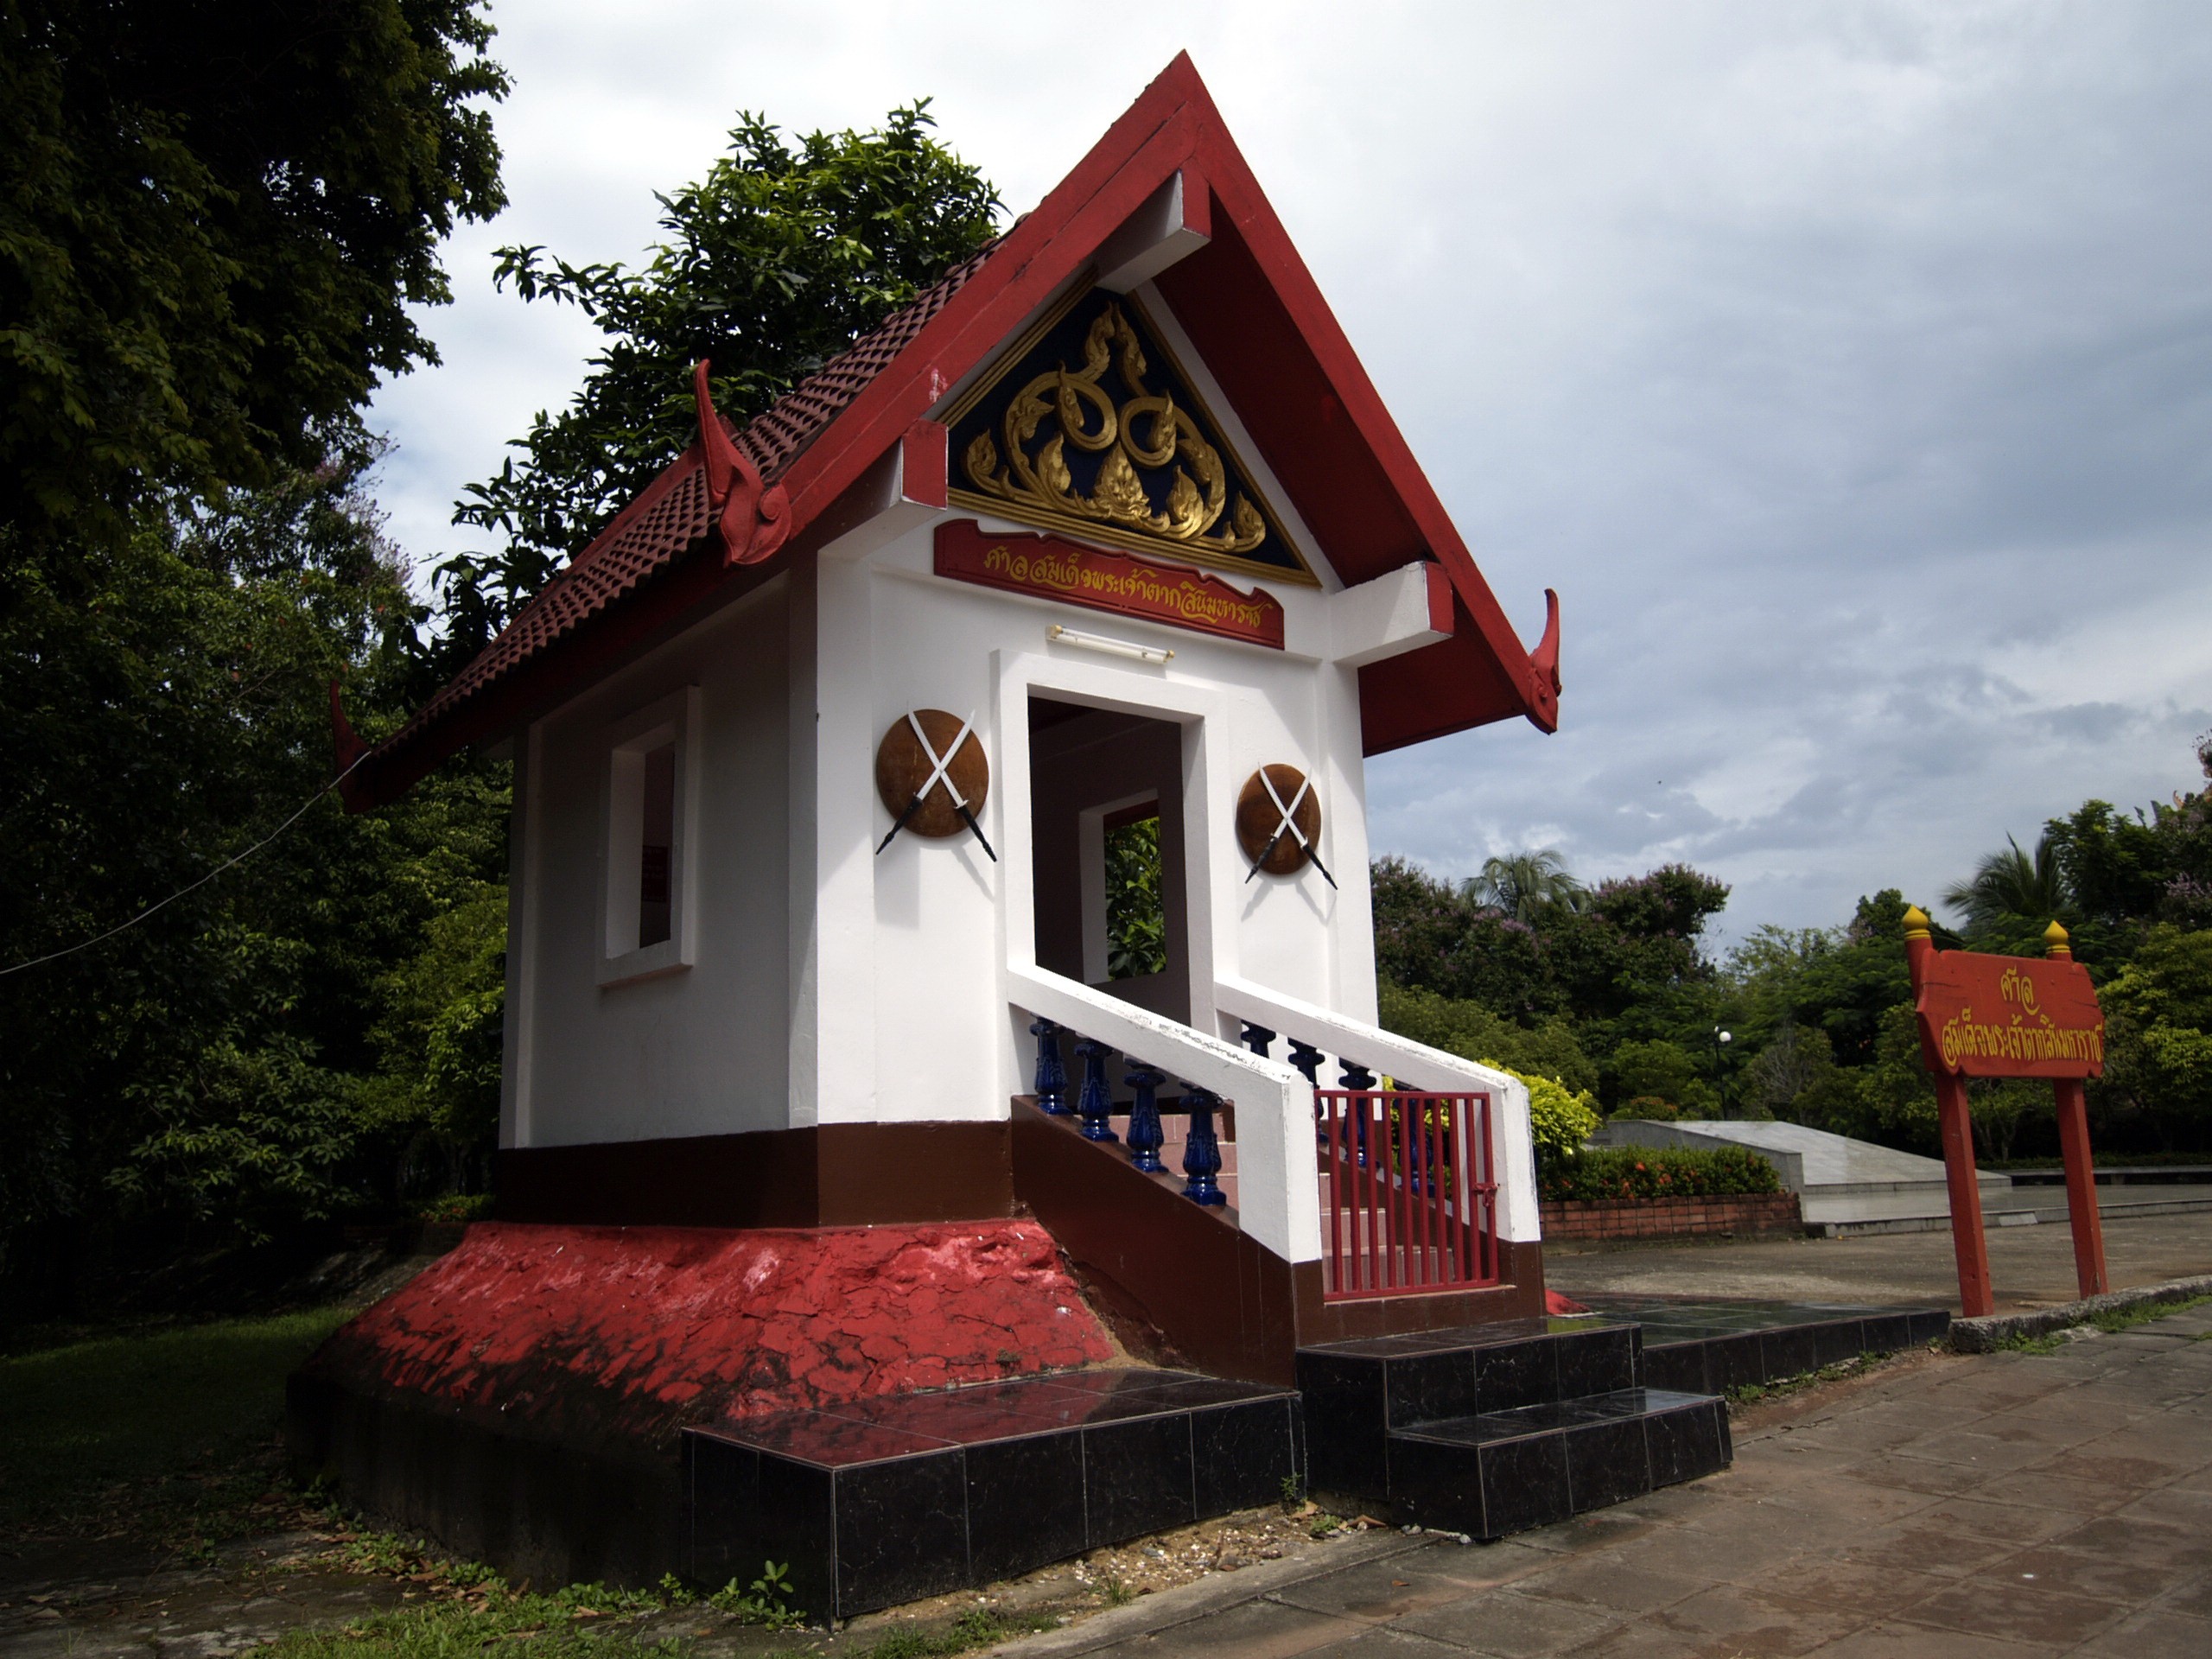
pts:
[656, 843]
[647, 871]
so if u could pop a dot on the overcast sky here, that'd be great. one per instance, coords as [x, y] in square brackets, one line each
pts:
[1848, 368]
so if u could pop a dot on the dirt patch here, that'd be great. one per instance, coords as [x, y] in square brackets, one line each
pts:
[1786, 1401]
[106, 1599]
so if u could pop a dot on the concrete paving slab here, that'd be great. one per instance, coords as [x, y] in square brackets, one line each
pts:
[1810, 1544]
[1752, 1619]
[2029, 1266]
[2155, 1635]
[1605, 1584]
[2020, 1612]
[1510, 1626]
[2193, 1598]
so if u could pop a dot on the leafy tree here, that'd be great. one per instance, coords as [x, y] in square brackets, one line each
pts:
[1626, 963]
[1659, 1069]
[2014, 895]
[2128, 872]
[438, 1034]
[218, 222]
[774, 262]
[1840, 982]
[198, 1081]
[1525, 886]
[1430, 936]
[1136, 913]
[1894, 1101]
[1473, 1032]
[1796, 1063]
[2159, 1048]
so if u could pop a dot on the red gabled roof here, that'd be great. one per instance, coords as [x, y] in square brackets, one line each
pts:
[1256, 316]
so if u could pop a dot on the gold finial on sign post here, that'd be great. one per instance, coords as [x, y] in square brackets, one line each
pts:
[2054, 943]
[1916, 923]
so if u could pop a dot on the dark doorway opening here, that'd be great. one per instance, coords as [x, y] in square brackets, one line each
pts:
[1106, 822]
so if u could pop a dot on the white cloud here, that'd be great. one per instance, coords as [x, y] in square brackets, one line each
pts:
[1848, 368]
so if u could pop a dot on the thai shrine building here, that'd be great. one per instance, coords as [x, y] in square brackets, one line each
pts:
[821, 1096]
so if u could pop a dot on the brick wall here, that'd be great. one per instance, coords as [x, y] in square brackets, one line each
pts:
[1763, 1212]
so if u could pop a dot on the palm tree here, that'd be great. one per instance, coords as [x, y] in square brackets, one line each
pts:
[1525, 885]
[2013, 888]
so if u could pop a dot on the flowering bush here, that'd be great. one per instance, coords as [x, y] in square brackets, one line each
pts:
[1559, 1119]
[1616, 1174]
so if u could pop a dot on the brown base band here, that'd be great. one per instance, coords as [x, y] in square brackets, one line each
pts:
[837, 1175]
[1519, 1294]
[1217, 1299]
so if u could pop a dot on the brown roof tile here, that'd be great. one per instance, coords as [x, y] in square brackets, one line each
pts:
[673, 515]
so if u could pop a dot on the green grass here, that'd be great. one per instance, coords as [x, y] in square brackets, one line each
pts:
[569, 1625]
[1750, 1393]
[982, 1628]
[2112, 1321]
[169, 1438]
[171, 1432]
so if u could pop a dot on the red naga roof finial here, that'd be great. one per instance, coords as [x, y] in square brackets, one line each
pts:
[753, 518]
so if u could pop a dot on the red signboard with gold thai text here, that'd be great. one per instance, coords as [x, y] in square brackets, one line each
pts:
[1984, 1016]
[1048, 568]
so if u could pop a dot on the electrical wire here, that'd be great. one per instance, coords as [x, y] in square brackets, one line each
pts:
[228, 864]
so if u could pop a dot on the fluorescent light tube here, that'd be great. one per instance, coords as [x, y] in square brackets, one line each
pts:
[1059, 636]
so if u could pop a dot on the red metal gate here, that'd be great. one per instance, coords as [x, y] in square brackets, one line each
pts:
[1409, 1192]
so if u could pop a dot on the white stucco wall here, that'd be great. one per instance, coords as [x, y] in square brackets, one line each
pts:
[824, 983]
[941, 916]
[702, 1049]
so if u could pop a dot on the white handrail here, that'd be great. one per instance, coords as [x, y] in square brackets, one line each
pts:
[1415, 1065]
[1279, 1200]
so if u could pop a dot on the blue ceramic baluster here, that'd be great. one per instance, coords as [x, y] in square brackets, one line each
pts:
[1257, 1038]
[1202, 1152]
[1096, 1104]
[1415, 1138]
[1052, 1074]
[1306, 1060]
[1358, 1077]
[1146, 1137]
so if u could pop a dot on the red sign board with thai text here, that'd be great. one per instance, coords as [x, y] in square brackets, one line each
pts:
[1983, 1016]
[1048, 568]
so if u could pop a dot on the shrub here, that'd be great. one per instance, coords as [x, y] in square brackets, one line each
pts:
[1616, 1174]
[1560, 1120]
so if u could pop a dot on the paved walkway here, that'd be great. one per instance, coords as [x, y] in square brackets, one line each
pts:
[2031, 1266]
[1995, 1508]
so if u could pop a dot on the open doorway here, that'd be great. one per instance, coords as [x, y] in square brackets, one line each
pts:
[1106, 822]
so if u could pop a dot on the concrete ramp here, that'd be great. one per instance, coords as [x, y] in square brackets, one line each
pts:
[1847, 1186]
[1844, 1186]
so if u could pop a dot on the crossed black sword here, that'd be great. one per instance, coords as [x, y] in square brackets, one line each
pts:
[941, 773]
[1288, 827]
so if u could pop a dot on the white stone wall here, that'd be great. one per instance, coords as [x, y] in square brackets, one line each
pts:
[702, 1049]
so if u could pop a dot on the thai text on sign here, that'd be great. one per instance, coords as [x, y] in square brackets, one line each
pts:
[1048, 568]
[1985, 1016]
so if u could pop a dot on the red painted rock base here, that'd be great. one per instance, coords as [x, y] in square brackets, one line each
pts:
[521, 1401]
[637, 1331]
[1763, 1212]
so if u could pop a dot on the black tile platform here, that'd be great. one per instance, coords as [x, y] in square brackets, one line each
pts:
[1701, 1347]
[883, 1501]
[1491, 1429]
[1504, 1471]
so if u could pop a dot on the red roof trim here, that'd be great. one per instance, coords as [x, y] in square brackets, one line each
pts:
[1255, 313]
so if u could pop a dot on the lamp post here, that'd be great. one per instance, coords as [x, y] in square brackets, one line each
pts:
[1721, 1039]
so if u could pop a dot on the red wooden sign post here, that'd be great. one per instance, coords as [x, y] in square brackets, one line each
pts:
[1985, 1016]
